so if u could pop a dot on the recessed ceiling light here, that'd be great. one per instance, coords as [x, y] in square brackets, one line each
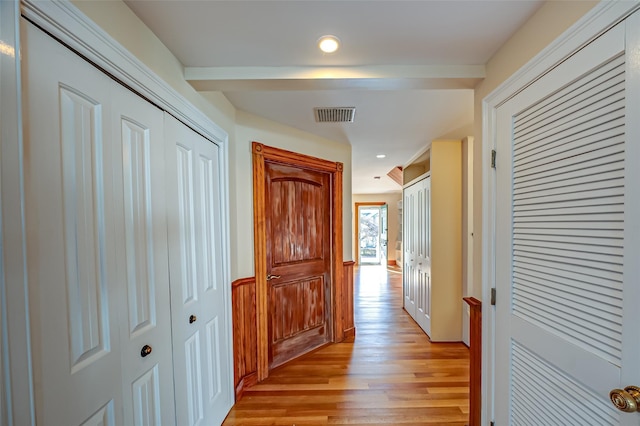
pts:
[328, 43]
[380, 156]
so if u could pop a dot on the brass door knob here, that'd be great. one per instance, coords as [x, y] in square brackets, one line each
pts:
[146, 350]
[272, 277]
[192, 319]
[627, 399]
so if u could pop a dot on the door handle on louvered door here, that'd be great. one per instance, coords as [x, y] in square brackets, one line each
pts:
[627, 399]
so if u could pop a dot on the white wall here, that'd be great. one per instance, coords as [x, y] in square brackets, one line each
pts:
[391, 199]
[122, 24]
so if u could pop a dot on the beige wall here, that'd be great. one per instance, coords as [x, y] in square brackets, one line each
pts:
[391, 199]
[251, 128]
[547, 24]
[124, 26]
[446, 240]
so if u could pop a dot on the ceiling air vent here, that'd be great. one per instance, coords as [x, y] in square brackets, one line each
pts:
[334, 114]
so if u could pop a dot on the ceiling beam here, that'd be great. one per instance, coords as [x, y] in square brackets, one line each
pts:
[331, 78]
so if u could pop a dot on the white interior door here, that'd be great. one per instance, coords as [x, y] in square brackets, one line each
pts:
[423, 255]
[70, 201]
[417, 252]
[141, 232]
[204, 369]
[97, 249]
[410, 242]
[568, 241]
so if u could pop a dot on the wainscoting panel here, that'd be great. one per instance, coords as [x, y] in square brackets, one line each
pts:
[245, 341]
[347, 305]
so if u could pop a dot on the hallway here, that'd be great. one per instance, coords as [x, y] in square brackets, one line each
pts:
[391, 374]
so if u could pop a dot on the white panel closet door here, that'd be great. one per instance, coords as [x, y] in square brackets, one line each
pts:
[417, 252]
[98, 260]
[568, 241]
[141, 232]
[204, 391]
[410, 242]
[423, 255]
[70, 201]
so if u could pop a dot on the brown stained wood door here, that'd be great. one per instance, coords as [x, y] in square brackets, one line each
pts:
[298, 222]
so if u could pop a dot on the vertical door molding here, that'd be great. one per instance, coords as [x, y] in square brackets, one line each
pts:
[262, 153]
[16, 396]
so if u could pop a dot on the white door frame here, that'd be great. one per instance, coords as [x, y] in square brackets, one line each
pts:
[602, 17]
[378, 206]
[16, 402]
[66, 23]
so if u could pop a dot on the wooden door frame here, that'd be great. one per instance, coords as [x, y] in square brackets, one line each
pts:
[261, 154]
[356, 228]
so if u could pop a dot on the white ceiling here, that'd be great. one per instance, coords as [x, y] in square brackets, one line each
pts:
[409, 67]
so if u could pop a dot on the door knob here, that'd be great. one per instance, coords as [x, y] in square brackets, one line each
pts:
[192, 319]
[627, 399]
[146, 350]
[272, 277]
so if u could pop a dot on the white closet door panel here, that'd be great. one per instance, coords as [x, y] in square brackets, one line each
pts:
[417, 252]
[193, 380]
[103, 417]
[70, 218]
[423, 273]
[410, 273]
[566, 239]
[82, 146]
[147, 405]
[204, 394]
[139, 176]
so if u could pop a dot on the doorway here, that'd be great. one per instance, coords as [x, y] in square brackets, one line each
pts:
[372, 233]
[265, 158]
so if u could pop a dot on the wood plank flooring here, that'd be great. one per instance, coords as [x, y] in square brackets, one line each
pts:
[389, 374]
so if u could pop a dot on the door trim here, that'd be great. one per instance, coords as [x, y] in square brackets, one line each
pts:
[356, 229]
[602, 17]
[262, 153]
[16, 373]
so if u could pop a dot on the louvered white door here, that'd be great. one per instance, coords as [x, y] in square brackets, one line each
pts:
[568, 239]
[70, 218]
[143, 273]
[204, 391]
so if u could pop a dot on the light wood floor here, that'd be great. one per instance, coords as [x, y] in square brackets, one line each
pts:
[391, 374]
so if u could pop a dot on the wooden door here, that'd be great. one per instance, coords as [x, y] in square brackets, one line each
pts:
[298, 223]
[567, 239]
[200, 299]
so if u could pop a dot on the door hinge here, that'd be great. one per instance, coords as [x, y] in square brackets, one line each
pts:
[493, 296]
[493, 158]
